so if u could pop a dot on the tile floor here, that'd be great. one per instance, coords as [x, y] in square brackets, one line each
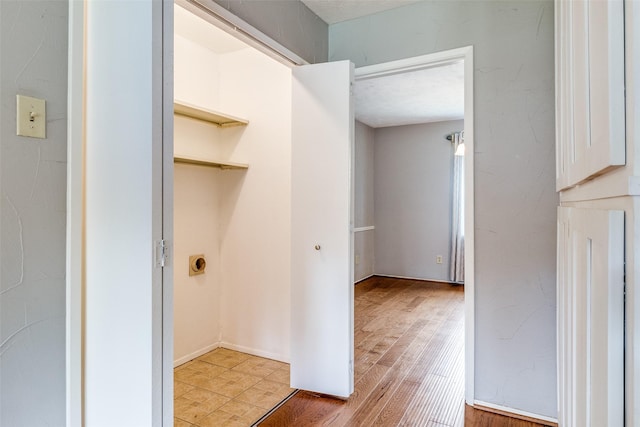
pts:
[227, 388]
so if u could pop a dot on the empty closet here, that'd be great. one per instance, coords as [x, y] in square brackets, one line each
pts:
[232, 174]
[262, 192]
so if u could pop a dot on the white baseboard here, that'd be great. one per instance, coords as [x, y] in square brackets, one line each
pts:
[184, 359]
[364, 278]
[394, 276]
[255, 352]
[515, 412]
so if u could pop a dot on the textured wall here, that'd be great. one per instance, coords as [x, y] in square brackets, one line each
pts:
[290, 23]
[33, 62]
[514, 175]
[413, 166]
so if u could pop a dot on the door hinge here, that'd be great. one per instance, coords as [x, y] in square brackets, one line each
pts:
[162, 253]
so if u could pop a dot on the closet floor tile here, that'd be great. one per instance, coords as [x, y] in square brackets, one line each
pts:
[177, 422]
[227, 388]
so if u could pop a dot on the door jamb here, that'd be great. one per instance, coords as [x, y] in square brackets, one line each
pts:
[429, 61]
[75, 225]
[165, 334]
[74, 302]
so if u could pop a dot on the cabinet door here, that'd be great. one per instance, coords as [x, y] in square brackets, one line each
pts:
[590, 317]
[589, 89]
[322, 254]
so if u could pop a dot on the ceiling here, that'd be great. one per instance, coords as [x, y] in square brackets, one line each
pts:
[422, 96]
[429, 95]
[333, 11]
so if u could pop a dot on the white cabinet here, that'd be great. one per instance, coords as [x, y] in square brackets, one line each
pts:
[590, 82]
[597, 173]
[590, 297]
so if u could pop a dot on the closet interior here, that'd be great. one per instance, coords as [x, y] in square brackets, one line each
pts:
[232, 167]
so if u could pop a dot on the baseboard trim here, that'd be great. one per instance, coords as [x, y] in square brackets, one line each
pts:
[515, 413]
[254, 352]
[184, 359]
[417, 278]
[364, 278]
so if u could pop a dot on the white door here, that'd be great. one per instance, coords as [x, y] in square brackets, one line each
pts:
[322, 273]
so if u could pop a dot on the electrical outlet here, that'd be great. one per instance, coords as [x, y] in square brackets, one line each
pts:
[357, 259]
[439, 259]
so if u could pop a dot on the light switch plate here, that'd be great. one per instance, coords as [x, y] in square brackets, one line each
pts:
[31, 117]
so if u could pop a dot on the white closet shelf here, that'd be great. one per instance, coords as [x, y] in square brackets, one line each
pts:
[210, 163]
[219, 119]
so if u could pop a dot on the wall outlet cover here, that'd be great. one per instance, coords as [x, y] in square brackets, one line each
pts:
[31, 117]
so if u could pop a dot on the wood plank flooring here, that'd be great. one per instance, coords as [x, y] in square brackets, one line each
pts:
[409, 363]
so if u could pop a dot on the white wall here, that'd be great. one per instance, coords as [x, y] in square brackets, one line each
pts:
[196, 74]
[196, 299]
[363, 209]
[515, 199]
[413, 166]
[33, 62]
[256, 210]
[197, 201]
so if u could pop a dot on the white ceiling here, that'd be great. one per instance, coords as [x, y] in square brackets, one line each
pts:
[423, 96]
[333, 11]
[429, 95]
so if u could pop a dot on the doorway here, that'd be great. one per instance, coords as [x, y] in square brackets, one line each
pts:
[463, 56]
[159, 319]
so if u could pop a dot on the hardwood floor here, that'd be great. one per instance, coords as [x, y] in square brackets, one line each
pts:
[409, 363]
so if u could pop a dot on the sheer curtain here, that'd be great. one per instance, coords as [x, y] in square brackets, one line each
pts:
[456, 271]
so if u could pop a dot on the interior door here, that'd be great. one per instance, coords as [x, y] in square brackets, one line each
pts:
[322, 242]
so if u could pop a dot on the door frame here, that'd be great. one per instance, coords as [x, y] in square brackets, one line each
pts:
[433, 60]
[160, 290]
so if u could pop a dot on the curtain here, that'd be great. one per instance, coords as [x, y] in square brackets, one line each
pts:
[456, 271]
